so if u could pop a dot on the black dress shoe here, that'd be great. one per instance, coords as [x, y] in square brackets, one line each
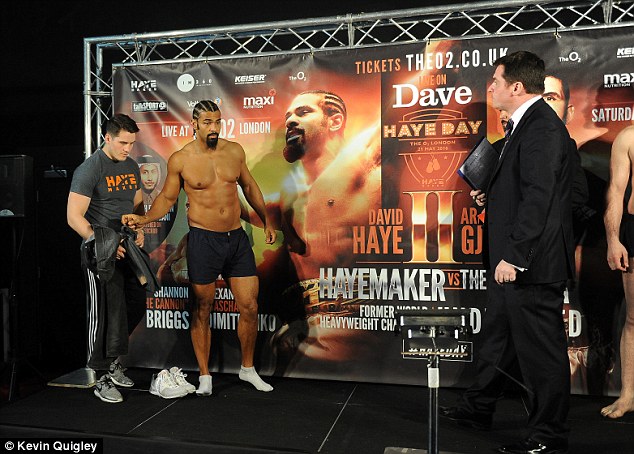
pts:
[466, 418]
[530, 446]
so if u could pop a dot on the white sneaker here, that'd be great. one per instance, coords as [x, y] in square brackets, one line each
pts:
[163, 385]
[179, 377]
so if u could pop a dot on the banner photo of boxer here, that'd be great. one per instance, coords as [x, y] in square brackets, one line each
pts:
[356, 152]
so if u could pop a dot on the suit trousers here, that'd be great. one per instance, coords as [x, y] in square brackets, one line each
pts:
[524, 323]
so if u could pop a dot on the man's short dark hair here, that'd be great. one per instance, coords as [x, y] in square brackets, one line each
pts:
[524, 67]
[120, 122]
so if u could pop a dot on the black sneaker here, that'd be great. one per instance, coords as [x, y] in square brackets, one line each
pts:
[106, 391]
[117, 375]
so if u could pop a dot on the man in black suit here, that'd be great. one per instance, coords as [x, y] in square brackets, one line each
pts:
[529, 255]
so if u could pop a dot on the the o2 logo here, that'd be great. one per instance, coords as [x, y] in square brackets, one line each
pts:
[227, 128]
[301, 76]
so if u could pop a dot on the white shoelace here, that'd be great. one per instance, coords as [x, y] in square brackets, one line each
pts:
[168, 380]
[179, 377]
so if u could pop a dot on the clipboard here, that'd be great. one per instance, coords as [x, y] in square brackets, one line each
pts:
[479, 165]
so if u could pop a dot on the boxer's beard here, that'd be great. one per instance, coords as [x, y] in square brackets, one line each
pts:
[294, 148]
[294, 151]
[212, 141]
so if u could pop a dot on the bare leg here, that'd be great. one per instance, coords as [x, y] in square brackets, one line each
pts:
[245, 291]
[201, 332]
[625, 402]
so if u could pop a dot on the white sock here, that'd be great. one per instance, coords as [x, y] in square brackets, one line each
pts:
[205, 387]
[249, 374]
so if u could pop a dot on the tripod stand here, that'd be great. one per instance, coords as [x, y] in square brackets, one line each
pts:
[432, 334]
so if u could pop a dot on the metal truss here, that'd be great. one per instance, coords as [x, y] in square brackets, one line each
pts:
[469, 20]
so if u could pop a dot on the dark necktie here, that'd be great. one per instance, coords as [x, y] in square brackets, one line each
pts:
[508, 129]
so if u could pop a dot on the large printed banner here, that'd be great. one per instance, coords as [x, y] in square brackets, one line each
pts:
[373, 217]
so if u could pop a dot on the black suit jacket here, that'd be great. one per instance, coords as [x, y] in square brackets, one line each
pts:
[528, 213]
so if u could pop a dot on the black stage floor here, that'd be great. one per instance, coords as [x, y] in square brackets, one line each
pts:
[300, 415]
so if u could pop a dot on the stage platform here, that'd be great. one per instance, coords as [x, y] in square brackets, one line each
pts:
[299, 416]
